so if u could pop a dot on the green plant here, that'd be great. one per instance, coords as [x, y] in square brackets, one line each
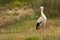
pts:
[32, 38]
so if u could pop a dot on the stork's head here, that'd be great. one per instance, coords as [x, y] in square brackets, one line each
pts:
[41, 7]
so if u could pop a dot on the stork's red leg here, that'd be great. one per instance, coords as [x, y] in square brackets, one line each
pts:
[42, 29]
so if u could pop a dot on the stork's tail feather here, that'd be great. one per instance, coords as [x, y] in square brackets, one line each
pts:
[37, 26]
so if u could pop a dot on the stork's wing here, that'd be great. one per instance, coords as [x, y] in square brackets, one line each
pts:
[40, 20]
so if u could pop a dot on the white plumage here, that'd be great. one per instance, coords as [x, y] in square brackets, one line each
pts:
[42, 19]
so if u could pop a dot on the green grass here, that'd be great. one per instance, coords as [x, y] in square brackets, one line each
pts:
[32, 38]
[25, 29]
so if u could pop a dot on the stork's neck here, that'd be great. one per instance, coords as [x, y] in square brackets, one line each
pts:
[42, 12]
[43, 15]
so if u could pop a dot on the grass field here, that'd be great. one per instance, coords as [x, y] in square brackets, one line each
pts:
[18, 22]
[25, 30]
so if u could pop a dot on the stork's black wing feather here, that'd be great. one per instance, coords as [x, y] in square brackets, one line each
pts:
[37, 26]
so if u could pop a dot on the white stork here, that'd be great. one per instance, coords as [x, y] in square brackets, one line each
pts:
[41, 20]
